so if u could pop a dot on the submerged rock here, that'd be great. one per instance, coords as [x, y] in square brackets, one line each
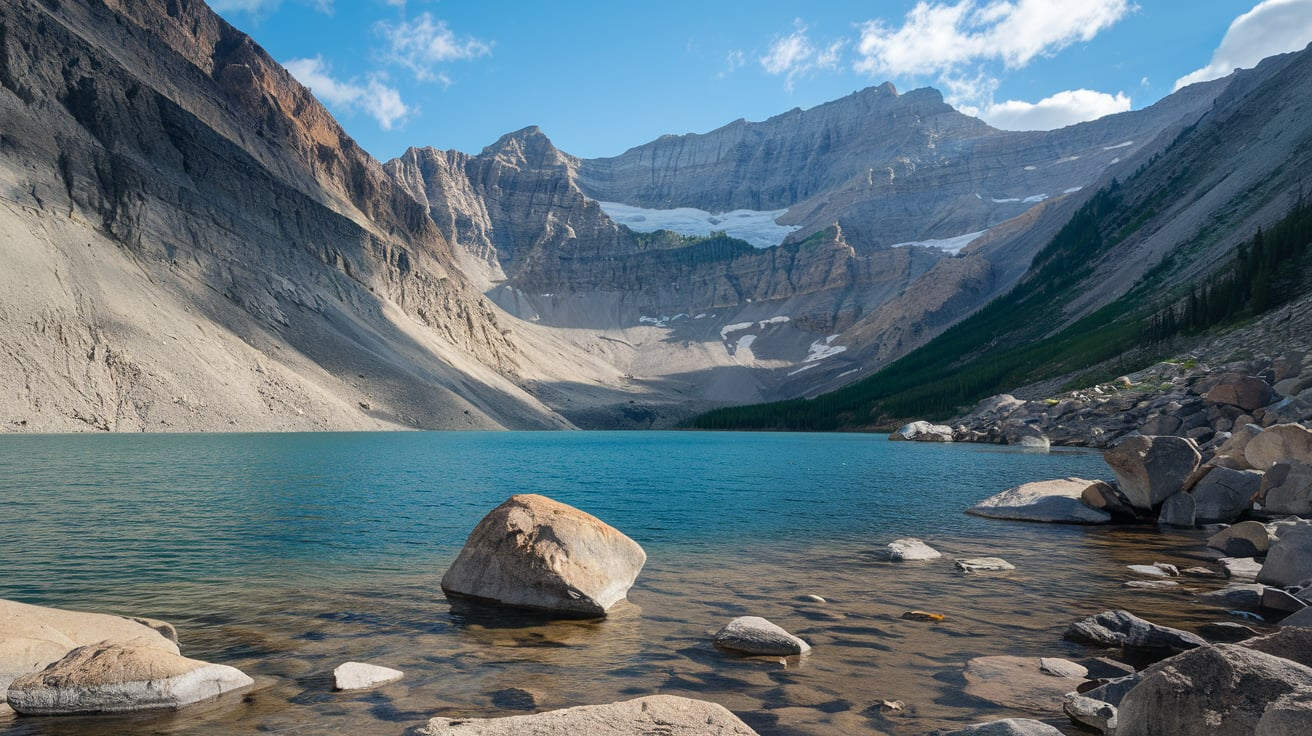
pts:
[533, 552]
[1032, 684]
[1007, 727]
[984, 564]
[755, 636]
[910, 549]
[667, 715]
[360, 676]
[1054, 501]
[121, 678]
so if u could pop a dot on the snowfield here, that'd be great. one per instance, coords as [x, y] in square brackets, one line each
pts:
[948, 245]
[755, 227]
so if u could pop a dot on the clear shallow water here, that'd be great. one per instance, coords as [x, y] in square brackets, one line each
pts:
[286, 555]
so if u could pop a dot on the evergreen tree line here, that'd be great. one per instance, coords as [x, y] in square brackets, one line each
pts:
[1265, 272]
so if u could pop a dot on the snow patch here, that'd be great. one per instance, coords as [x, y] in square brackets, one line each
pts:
[1005, 201]
[821, 349]
[1034, 199]
[947, 245]
[745, 342]
[1116, 160]
[806, 367]
[1068, 159]
[755, 227]
[662, 321]
[1118, 145]
[740, 326]
[1072, 190]
[1031, 168]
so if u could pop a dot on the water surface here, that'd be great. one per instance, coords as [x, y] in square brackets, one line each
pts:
[286, 555]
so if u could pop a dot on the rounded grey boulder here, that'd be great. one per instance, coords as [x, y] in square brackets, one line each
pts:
[756, 636]
[1152, 469]
[533, 552]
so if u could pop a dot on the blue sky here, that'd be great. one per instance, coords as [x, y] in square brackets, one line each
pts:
[599, 78]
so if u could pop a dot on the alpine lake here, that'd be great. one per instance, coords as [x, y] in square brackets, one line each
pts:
[285, 555]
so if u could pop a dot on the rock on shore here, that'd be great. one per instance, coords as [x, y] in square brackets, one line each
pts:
[667, 715]
[534, 552]
[32, 637]
[120, 678]
[1053, 501]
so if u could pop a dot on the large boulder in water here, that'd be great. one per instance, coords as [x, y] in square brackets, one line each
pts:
[1055, 501]
[1220, 690]
[1152, 469]
[32, 637]
[533, 552]
[668, 715]
[121, 678]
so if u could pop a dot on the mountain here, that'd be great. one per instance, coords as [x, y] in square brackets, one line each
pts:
[1171, 249]
[193, 243]
[898, 216]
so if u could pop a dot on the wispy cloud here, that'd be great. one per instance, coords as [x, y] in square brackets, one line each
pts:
[373, 97]
[1057, 111]
[1271, 27]
[733, 61]
[795, 56]
[425, 43]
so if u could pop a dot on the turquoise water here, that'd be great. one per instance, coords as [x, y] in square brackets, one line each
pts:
[287, 554]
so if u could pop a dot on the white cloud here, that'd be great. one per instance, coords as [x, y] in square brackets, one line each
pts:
[426, 42]
[1271, 27]
[734, 61]
[379, 101]
[962, 44]
[1057, 111]
[794, 56]
[942, 37]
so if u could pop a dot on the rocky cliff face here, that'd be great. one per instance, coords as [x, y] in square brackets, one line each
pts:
[888, 168]
[857, 176]
[198, 245]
